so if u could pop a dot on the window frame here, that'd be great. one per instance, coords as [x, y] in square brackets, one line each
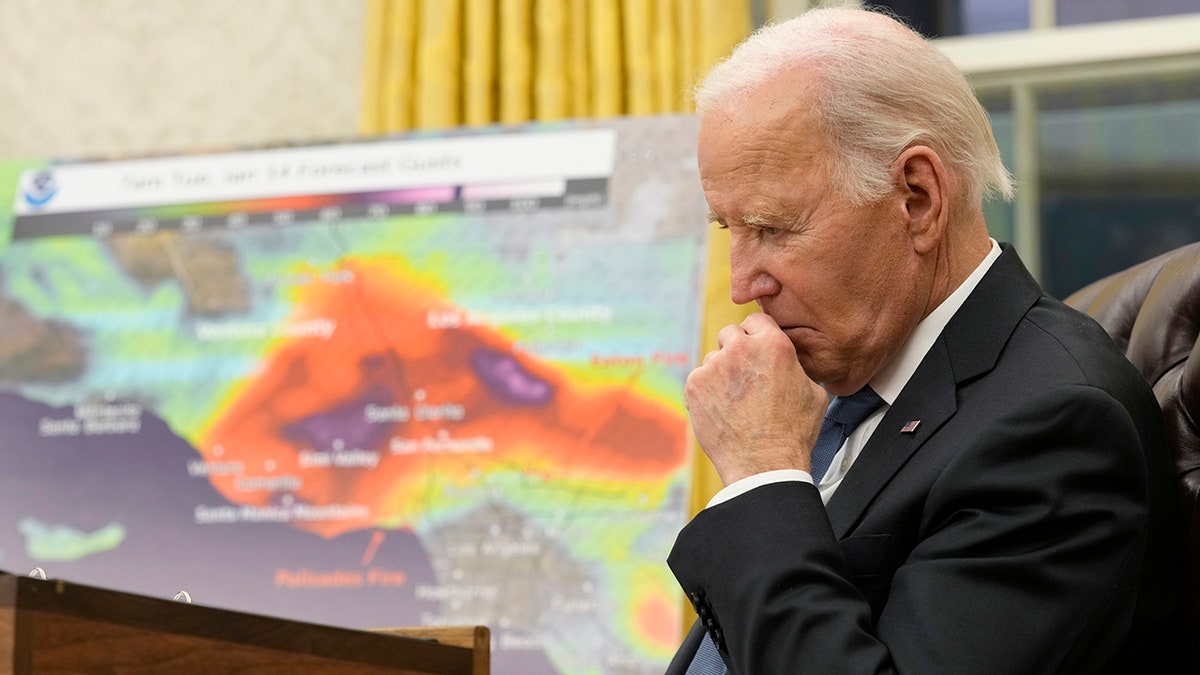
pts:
[1019, 63]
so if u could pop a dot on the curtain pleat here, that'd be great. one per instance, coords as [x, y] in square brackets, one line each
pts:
[516, 61]
[376, 38]
[606, 74]
[665, 40]
[581, 61]
[551, 90]
[438, 87]
[687, 63]
[638, 52]
[479, 62]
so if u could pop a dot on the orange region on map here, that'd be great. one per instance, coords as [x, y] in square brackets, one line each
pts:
[656, 619]
[493, 409]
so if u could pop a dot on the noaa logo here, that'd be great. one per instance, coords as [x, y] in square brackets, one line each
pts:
[40, 189]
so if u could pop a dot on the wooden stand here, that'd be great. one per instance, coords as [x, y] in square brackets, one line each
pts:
[476, 638]
[60, 627]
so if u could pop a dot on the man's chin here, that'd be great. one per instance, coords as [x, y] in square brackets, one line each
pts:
[814, 372]
[803, 352]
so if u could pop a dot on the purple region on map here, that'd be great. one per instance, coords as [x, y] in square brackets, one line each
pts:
[505, 377]
[344, 423]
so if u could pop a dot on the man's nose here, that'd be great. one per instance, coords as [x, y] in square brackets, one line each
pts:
[748, 281]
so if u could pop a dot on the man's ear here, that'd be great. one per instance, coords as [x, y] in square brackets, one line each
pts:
[924, 186]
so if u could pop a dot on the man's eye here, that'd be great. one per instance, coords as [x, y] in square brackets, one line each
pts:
[769, 231]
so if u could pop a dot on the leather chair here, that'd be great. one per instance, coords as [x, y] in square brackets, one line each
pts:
[1152, 312]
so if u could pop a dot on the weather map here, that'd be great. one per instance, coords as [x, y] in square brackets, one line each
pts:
[427, 380]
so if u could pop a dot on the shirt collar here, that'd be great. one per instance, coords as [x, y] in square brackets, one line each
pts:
[896, 374]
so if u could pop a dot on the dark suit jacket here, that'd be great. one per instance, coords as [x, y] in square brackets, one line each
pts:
[1023, 527]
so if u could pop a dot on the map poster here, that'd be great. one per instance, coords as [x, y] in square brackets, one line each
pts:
[413, 381]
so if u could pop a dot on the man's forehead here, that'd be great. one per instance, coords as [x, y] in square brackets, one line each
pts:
[741, 149]
[768, 122]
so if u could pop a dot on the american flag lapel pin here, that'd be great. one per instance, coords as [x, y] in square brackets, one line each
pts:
[910, 427]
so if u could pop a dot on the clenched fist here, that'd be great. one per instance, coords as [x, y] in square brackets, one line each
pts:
[753, 408]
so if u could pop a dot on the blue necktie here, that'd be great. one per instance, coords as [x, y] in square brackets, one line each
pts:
[707, 660]
[843, 415]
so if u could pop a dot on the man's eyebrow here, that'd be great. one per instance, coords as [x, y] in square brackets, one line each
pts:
[751, 219]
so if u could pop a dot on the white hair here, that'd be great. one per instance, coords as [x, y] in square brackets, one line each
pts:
[879, 89]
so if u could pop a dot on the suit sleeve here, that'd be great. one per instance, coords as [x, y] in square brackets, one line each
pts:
[1023, 555]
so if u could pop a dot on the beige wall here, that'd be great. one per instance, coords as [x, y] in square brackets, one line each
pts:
[91, 78]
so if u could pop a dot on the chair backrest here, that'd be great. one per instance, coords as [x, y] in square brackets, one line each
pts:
[1152, 312]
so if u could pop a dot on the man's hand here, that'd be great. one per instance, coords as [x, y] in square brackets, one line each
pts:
[752, 406]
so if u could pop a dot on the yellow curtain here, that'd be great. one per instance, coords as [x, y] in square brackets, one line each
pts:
[443, 63]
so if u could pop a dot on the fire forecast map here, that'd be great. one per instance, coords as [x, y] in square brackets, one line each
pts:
[421, 381]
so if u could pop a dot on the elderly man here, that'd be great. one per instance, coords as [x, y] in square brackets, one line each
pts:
[1002, 505]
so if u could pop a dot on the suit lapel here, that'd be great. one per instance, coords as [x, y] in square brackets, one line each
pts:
[969, 346]
[932, 402]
